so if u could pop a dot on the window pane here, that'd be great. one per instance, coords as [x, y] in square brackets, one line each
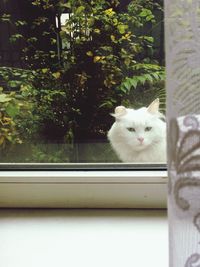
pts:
[73, 75]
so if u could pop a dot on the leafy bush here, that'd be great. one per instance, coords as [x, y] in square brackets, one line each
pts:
[107, 58]
[53, 106]
[40, 103]
[9, 107]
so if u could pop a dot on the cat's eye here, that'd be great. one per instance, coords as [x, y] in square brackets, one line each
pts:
[130, 129]
[147, 129]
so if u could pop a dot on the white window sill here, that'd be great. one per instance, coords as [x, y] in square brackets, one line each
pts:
[83, 189]
[83, 238]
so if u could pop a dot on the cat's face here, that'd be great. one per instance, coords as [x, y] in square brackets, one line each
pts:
[139, 128]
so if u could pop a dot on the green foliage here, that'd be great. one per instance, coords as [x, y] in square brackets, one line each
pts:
[5, 18]
[161, 94]
[152, 74]
[9, 109]
[17, 87]
[43, 153]
[53, 108]
[14, 78]
[115, 53]
[39, 112]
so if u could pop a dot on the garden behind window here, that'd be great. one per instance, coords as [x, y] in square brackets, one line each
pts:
[70, 70]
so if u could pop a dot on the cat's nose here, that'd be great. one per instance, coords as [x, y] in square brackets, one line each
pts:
[140, 139]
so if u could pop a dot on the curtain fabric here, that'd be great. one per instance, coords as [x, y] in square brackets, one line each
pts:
[182, 34]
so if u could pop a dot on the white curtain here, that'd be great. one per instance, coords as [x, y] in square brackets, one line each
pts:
[182, 28]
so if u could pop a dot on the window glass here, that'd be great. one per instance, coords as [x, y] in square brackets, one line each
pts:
[73, 75]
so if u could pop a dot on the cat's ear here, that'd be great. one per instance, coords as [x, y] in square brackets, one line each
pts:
[153, 108]
[119, 112]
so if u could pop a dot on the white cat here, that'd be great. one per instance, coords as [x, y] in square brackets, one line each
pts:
[139, 135]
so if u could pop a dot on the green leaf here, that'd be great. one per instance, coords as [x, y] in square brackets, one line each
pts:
[32, 40]
[149, 18]
[67, 5]
[5, 18]
[149, 77]
[156, 76]
[134, 82]
[142, 79]
[14, 83]
[122, 28]
[15, 37]
[149, 39]
[4, 98]
[145, 12]
[107, 104]
[79, 10]
[12, 110]
[127, 84]
[53, 41]
[20, 23]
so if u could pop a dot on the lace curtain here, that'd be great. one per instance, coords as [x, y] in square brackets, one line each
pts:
[182, 21]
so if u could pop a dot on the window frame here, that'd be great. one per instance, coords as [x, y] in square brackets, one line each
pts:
[81, 188]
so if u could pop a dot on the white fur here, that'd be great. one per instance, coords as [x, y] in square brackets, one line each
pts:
[125, 143]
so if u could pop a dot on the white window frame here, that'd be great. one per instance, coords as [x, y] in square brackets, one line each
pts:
[83, 188]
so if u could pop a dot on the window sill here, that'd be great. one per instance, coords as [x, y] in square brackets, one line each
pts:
[83, 189]
[85, 238]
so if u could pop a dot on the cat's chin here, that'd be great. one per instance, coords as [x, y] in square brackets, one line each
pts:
[140, 147]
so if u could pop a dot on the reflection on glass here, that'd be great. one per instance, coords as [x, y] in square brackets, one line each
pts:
[69, 69]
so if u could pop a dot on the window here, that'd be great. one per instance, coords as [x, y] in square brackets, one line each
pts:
[69, 71]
